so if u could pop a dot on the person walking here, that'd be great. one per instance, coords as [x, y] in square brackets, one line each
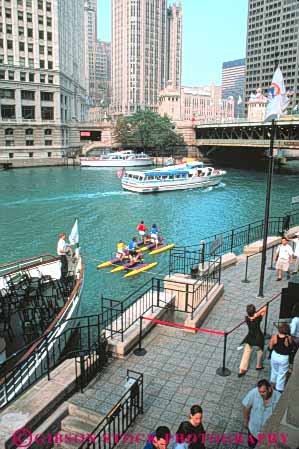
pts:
[254, 338]
[193, 428]
[259, 404]
[281, 347]
[296, 253]
[294, 327]
[283, 258]
[158, 439]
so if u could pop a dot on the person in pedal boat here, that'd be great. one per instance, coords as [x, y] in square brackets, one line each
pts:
[141, 228]
[132, 249]
[155, 234]
[121, 250]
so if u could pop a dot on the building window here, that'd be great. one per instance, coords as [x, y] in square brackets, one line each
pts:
[50, 65]
[29, 143]
[9, 45]
[30, 154]
[8, 28]
[27, 94]
[47, 113]
[9, 143]
[42, 78]
[7, 93]
[8, 111]
[30, 48]
[21, 31]
[28, 112]
[29, 18]
[8, 13]
[49, 21]
[10, 155]
[11, 75]
[48, 132]
[49, 154]
[40, 4]
[10, 60]
[40, 20]
[48, 143]
[29, 32]
[21, 46]
[20, 15]
[31, 77]
[50, 79]
[1, 59]
[2, 74]
[46, 96]
[9, 132]
[42, 64]
[41, 34]
[22, 76]
[29, 132]
[49, 36]
[22, 62]
[50, 52]
[42, 49]
[48, 7]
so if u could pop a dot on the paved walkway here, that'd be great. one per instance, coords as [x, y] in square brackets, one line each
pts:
[180, 368]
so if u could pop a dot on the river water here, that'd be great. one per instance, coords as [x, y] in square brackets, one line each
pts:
[37, 204]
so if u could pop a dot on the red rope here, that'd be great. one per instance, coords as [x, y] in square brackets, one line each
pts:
[181, 326]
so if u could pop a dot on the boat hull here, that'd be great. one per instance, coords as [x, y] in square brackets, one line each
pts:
[97, 162]
[167, 186]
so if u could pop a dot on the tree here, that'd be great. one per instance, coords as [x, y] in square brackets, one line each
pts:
[147, 129]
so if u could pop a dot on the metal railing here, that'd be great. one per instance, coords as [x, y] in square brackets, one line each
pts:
[181, 259]
[112, 428]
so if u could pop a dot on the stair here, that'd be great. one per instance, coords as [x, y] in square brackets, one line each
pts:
[80, 423]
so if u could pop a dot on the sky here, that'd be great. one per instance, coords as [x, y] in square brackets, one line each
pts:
[214, 31]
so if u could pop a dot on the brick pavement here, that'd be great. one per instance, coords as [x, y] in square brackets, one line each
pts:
[180, 368]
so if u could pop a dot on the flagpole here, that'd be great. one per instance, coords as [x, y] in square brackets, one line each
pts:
[267, 209]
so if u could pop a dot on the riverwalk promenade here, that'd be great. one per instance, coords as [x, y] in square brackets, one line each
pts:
[179, 368]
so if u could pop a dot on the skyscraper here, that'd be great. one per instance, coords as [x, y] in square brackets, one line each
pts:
[42, 76]
[174, 45]
[103, 73]
[90, 25]
[233, 83]
[272, 35]
[141, 48]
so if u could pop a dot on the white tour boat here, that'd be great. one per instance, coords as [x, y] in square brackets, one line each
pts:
[117, 159]
[191, 175]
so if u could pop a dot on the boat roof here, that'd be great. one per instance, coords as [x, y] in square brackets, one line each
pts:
[158, 173]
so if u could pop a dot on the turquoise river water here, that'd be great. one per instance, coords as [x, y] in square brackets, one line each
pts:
[37, 204]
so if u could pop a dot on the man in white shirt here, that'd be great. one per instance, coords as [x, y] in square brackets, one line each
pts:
[283, 258]
[62, 250]
[296, 253]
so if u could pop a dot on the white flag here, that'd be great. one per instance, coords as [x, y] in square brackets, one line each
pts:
[74, 235]
[239, 99]
[277, 99]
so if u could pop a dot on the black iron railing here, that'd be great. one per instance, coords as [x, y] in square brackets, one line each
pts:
[112, 428]
[181, 259]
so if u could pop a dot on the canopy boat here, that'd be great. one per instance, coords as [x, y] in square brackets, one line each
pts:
[117, 159]
[189, 176]
[37, 305]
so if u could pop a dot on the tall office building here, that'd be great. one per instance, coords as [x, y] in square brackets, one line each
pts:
[140, 52]
[42, 76]
[90, 25]
[233, 83]
[103, 73]
[174, 45]
[272, 34]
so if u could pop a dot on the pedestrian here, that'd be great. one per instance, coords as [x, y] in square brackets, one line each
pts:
[281, 348]
[62, 250]
[296, 253]
[294, 327]
[158, 439]
[193, 428]
[259, 404]
[254, 338]
[141, 228]
[283, 258]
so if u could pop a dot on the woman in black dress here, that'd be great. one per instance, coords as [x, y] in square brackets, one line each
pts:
[254, 338]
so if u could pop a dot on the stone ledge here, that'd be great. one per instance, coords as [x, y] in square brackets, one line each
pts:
[227, 260]
[205, 307]
[257, 247]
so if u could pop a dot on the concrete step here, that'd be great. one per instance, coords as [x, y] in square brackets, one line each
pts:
[72, 424]
[85, 414]
[68, 441]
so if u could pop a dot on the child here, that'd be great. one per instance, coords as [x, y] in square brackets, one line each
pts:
[154, 234]
[120, 250]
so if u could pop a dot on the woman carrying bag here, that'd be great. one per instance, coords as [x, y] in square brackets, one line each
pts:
[281, 347]
[254, 338]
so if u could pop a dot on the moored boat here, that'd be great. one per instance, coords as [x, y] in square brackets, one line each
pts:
[117, 159]
[177, 177]
[37, 306]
